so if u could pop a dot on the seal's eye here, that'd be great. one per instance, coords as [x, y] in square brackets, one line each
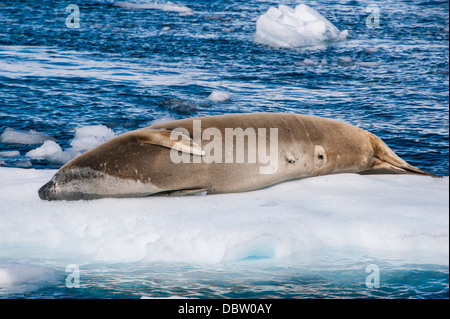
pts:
[320, 156]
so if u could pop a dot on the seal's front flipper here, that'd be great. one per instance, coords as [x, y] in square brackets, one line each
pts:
[183, 192]
[170, 139]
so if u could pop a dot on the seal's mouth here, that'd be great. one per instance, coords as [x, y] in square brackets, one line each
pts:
[47, 191]
[88, 184]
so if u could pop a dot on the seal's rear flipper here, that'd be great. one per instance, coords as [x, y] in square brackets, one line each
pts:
[382, 167]
[387, 162]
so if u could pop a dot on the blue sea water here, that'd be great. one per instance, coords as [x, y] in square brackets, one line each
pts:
[122, 64]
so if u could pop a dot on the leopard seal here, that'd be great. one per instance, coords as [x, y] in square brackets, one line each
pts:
[168, 159]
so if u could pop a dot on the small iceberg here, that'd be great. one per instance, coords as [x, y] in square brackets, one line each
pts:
[292, 28]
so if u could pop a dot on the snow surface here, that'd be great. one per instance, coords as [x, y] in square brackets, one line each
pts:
[291, 28]
[405, 216]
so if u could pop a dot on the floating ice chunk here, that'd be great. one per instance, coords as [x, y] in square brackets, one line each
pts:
[51, 151]
[219, 96]
[228, 30]
[306, 62]
[168, 6]
[9, 153]
[85, 139]
[47, 149]
[302, 26]
[89, 137]
[12, 136]
[309, 62]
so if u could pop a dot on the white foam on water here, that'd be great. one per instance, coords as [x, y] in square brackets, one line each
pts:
[291, 28]
[168, 6]
[402, 215]
[15, 273]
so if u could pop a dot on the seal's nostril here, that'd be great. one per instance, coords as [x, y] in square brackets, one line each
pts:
[46, 190]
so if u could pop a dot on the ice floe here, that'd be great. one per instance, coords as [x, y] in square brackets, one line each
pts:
[383, 215]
